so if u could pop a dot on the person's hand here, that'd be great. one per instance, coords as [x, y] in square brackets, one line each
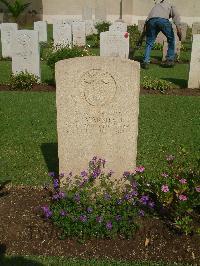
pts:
[179, 33]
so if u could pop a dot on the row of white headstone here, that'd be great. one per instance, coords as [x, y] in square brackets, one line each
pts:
[23, 47]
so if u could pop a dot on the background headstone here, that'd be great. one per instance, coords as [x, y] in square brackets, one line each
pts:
[114, 44]
[41, 27]
[62, 34]
[160, 38]
[87, 13]
[194, 73]
[196, 28]
[26, 52]
[141, 25]
[118, 26]
[79, 33]
[184, 27]
[97, 112]
[7, 31]
[177, 45]
[90, 28]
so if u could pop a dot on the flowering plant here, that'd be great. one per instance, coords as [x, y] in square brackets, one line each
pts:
[176, 192]
[95, 206]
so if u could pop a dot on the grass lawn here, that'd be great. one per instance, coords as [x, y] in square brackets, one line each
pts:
[39, 261]
[28, 147]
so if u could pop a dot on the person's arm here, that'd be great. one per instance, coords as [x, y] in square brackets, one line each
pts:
[177, 21]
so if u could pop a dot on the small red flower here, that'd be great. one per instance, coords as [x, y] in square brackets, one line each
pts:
[126, 35]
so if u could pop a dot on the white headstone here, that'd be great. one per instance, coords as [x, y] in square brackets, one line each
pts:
[184, 27]
[62, 34]
[196, 28]
[177, 45]
[97, 102]
[87, 13]
[41, 27]
[194, 73]
[118, 26]
[90, 28]
[7, 31]
[79, 33]
[114, 44]
[141, 25]
[26, 52]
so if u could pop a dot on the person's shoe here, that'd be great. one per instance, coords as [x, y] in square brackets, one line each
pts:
[145, 65]
[168, 63]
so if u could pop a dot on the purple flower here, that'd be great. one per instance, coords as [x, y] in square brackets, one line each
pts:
[85, 180]
[165, 188]
[197, 189]
[77, 197]
[83, 218]
[141, 213]
[84, 173]
[134, 193]
[183, 181]
[61, 175]
[63, 213]
[46, 212]
[96, 173]
[164, 175]
[134, 184]
[58, 196]
[182, 197]
[151, 204]
[89, 210]
[119, 202]
[94, 158]
[107, 196]
[126, 174]
[140, 169]
[127, 196]
[144, 199]
[109, 225]
[56, 183]
[99, 219]
[51, 174]
[118, 217]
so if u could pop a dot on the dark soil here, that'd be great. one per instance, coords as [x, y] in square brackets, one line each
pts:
[24, 232]
[178, 92]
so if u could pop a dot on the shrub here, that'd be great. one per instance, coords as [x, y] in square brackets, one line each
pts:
[93, 40]
[134, 35]
[161, 85]
[65, 53]
[92, 206]
[177, 193]
[23, 81]
[157, 46]
[89, 210]
[102, 26]
[45, 49]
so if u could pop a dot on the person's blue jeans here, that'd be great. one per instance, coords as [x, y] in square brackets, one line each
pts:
[153, 27]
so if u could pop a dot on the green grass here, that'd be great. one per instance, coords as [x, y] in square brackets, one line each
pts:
[28, 147]
[54, 261]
